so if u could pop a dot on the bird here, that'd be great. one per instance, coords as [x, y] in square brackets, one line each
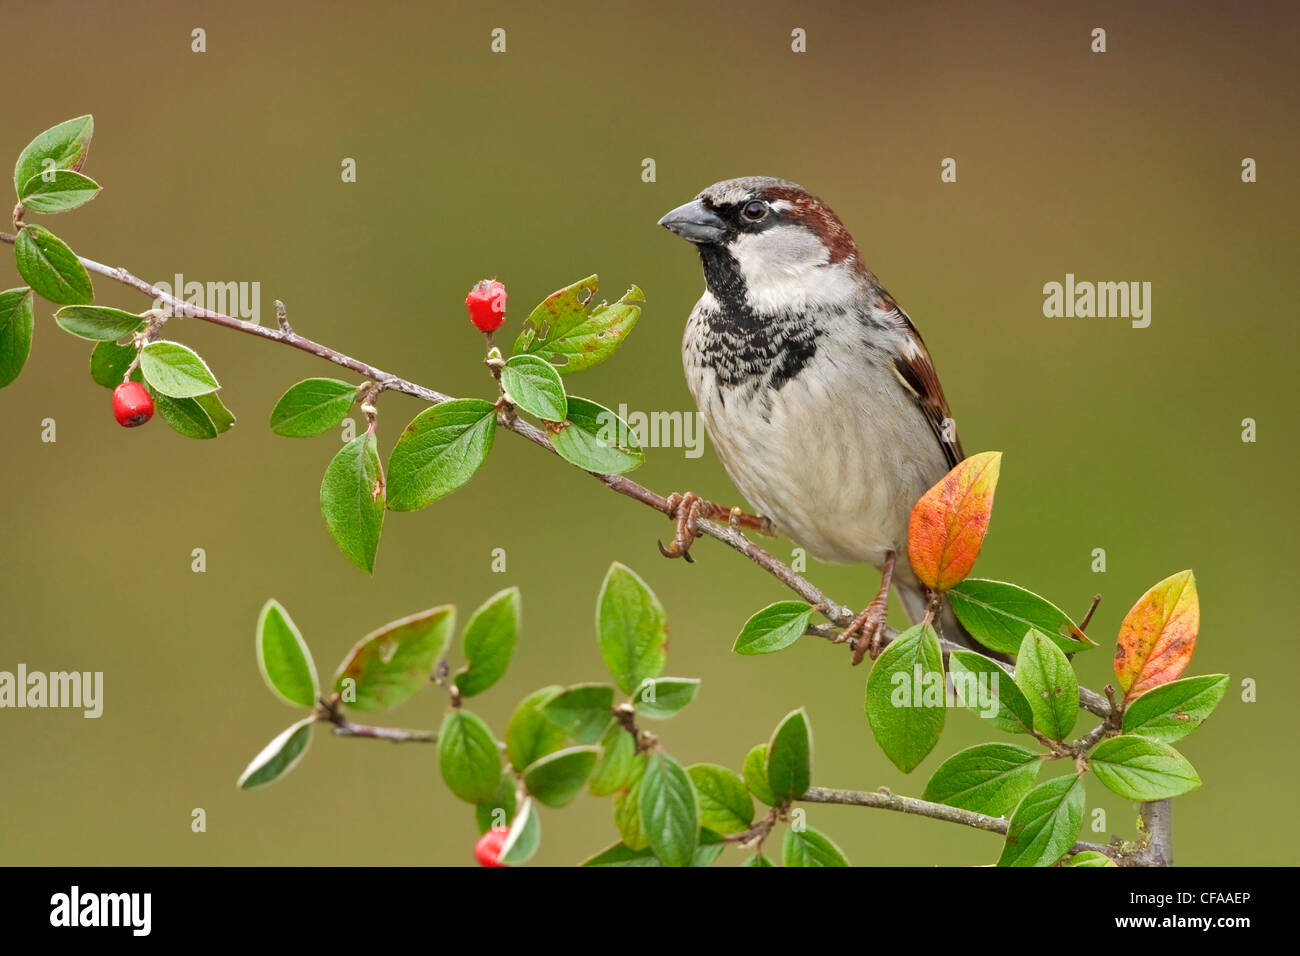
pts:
[816, 389]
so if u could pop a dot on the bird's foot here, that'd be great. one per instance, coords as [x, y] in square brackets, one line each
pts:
[869, 628]
[688, 508]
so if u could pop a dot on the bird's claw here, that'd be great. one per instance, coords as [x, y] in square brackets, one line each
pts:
[686, 509]
[869, 626]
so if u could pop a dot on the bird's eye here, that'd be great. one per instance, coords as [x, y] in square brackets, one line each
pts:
[754, 210]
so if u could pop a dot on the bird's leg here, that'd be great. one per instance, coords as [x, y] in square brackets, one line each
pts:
[870, 624]
[686, 509]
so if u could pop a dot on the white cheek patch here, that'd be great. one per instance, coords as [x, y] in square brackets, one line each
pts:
[787, 267]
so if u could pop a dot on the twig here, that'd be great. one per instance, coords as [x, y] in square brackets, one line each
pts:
[1157, 849]
[886, 800]
[396, 734]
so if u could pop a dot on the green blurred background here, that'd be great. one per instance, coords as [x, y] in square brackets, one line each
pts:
[526, 166]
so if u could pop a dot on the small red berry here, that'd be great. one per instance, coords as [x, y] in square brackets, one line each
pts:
[131, 404]
[487, 305]
[488, 849]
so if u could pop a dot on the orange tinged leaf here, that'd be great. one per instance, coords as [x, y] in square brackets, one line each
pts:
[949, 522]
[1158, 635]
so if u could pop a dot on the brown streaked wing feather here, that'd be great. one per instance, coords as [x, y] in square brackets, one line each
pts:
[917, 372]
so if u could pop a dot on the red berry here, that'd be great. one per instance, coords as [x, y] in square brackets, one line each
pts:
[131, 404]
[488, 849]
[487, 305]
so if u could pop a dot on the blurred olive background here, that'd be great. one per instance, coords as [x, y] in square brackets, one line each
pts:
[527, 166]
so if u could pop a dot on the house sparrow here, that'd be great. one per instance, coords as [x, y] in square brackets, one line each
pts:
[815, 387]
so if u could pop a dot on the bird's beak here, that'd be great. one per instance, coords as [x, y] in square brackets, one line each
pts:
[694, 223]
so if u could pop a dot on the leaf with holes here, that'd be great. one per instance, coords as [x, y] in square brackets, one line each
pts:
[1044, 674]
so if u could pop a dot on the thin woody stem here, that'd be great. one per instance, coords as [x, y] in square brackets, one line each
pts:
[886, 800]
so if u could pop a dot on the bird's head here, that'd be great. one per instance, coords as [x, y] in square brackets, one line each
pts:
[770, 240]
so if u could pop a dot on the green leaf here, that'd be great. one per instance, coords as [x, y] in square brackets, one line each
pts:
[555, 315]
[525, 836]
[312, 406]
[64, 146]
[661, 698]
[984, 687]
[620, 854]
[489, 642]
[352, 500]
[809, 847]
[175, 370]
[1045, 824]
[631, 628]
[51, 268]
[109, 362]
[774, 628]
[595, 439]
[754, 771]
[500, 810]
[1090, 858]
[16, 325]
[670, 810]
[627, 809]
[582, 711]
[988, 778]
[279, 756]
[535, 386]
[1142, 769]
[1044, 673]
[529, 735]
[202, 417]
[789, 756]
[468, 757]
[998, 614]
[439, 451]
[1172, 711]
[616, 764]
[559, 777]
[58, 191]
[905, 697]
[391, 663]
[97, 323]
[283, 657]
[758, 860]
[725, 803]
[595, 337]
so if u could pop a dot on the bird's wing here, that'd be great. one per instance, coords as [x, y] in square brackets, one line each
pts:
[915, 369]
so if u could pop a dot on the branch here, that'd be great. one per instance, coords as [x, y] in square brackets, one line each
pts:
[396, 734]
[1157, 849]
[834, 612]
[884, 799]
